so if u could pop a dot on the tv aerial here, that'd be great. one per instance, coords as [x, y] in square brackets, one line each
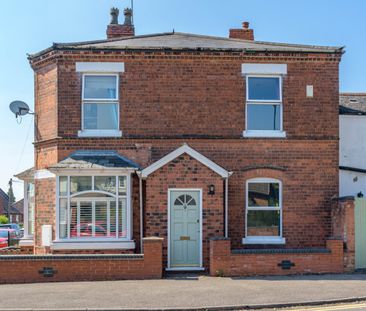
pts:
[20, 108]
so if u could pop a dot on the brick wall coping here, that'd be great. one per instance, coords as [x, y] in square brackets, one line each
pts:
[220, 238]
[345, 198]
[282, 251]
[73, 257]
[153, 239]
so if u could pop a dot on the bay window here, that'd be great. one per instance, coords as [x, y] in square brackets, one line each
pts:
[263, 212]
[94, 208]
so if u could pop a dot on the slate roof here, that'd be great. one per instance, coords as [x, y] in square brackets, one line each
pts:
[17, 207]
[186, 41]
[352, 103]
[3, 202]
[94, 159]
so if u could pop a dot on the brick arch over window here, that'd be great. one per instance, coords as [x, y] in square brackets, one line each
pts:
[260, 172]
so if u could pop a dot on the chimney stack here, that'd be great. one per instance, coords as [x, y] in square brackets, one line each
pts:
[244, 33]
[115, 30]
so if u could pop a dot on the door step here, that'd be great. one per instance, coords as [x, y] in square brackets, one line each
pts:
[184, 275]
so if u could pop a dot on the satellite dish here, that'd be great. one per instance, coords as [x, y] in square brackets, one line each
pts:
[19, 108]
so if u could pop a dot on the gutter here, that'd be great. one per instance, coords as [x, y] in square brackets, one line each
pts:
[58, 47]
[352, 169]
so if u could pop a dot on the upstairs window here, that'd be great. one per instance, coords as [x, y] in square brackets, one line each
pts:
[264, 106]
[100, 105]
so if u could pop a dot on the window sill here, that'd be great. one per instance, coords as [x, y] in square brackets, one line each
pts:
[26, 241]
[100, 133]
[67, 244]
[264, 240]
[269, 134]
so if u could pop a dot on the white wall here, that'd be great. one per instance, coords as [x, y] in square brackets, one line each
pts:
[351, 183]
[352, 153]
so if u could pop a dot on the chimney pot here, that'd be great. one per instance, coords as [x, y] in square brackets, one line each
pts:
[114, 16]
[128, 16]
[244, 33]
[115, 30]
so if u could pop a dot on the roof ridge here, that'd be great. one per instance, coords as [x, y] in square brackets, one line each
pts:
[60, 44]
[352, 94]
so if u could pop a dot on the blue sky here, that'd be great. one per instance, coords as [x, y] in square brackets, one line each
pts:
[29, 26]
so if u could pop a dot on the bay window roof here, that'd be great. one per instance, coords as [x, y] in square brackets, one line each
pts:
[94, 159]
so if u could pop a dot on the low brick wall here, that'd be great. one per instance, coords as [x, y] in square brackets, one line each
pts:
[24, 250]
[251, 262]
[61, 268]
[343, 227]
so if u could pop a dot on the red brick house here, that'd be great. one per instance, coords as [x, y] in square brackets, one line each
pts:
[186, 137]
[16, 209]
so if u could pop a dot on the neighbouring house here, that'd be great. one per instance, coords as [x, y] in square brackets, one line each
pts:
[16, 209]
[352, 151]
[4, 201]
[28, 208]
[210, 143]
[16, 212]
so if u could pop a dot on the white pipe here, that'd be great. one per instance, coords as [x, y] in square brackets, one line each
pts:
[226, 207]
[141, 214]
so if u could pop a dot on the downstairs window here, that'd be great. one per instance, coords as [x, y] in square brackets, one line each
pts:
[263, 211]
[93, 207]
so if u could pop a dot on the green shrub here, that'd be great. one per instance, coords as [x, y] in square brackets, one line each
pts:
[4, 219]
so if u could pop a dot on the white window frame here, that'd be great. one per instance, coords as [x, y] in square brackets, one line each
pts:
[263, 239]
[263, 133]
[94, 242]
[99, 132]
[27, 235]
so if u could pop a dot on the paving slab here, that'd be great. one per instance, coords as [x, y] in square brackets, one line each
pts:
[187, 292]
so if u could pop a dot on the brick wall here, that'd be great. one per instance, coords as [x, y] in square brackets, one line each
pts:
[343, 227]
[224, 262]
[46, 91]
[184, 172]
[207, 90]
[45, 210]
[26, 269]
[308, 171]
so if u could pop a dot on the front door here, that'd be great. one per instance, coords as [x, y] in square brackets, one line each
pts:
[185, 227]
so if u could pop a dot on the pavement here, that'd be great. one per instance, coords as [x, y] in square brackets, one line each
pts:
[355, 306]
[184, 291]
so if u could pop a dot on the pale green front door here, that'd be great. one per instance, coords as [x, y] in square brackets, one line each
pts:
[360, 233]
[184, 228]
